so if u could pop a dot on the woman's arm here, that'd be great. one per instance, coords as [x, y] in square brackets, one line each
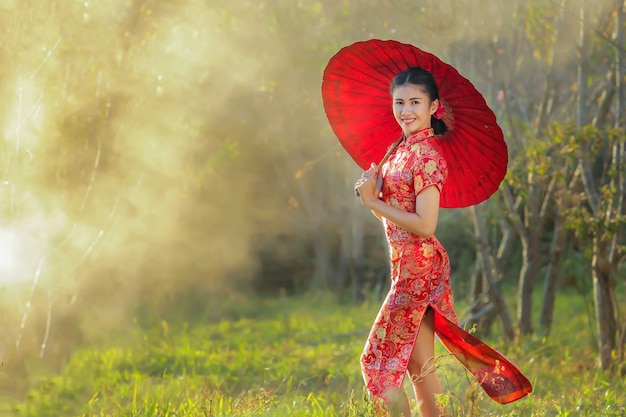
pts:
[378, 216]
[423, 222]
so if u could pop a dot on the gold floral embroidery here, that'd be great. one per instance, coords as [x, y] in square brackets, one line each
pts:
[428, 250]
[430, 167]
[381, 332]
[419, 182]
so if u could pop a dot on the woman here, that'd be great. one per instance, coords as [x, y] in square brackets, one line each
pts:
[402, 338]
[471, 159]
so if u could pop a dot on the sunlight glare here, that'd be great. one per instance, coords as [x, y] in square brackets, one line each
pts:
[7, 256]
[12, 261]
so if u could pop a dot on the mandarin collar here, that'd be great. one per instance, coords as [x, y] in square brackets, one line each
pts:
[419, 136]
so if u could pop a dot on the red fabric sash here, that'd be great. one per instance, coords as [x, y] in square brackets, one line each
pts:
[500, 379]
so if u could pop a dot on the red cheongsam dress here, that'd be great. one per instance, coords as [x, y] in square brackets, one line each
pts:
[420, 279]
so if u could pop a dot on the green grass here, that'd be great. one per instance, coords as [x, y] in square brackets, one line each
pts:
[298, 356]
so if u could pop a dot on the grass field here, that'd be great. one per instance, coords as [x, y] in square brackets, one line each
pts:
[298, 356]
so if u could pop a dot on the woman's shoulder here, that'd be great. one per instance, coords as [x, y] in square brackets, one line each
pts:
[428, 148]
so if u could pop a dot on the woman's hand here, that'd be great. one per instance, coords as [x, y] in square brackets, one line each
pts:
[422, 222]
[365, 187]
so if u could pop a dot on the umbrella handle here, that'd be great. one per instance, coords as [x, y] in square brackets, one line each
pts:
[379, 186]
[379, 178]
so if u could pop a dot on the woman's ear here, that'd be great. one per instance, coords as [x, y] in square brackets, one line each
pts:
[434, 106]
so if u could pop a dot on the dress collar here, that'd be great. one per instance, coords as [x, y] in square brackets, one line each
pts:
[420, 136]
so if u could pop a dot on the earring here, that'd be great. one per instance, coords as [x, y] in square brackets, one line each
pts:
[440, 110]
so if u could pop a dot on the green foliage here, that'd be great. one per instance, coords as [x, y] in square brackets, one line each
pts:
[549, 156]
[540, 19]
[607, 219]
[299, 357]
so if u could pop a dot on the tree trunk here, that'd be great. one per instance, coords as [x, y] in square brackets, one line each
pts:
[606, 259]
[619, 62]
[482, 311]
[351, 236]
[477, 287]
[343, 269]
[603, 296]
[582, 67]
[621, 150]
[528, 273]
[489, 270]
[544, 108]
[322, 267]
[552, 274]
[529, 232]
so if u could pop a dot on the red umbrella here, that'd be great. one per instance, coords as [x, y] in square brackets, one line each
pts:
[355, 91]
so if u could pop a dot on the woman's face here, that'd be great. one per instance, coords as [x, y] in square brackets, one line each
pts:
[412, 108]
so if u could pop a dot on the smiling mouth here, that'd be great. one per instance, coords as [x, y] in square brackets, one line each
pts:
[408, 121]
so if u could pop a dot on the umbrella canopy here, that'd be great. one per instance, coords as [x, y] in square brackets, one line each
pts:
[355, 91]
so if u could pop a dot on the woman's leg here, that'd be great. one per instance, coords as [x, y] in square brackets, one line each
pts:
[421, 368]
[398, 403]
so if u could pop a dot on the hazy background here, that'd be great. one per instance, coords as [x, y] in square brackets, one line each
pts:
[155, 150]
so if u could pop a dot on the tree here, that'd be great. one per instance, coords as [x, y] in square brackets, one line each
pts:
[489, 269]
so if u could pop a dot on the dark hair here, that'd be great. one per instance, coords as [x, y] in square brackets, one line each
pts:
[419, 76]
